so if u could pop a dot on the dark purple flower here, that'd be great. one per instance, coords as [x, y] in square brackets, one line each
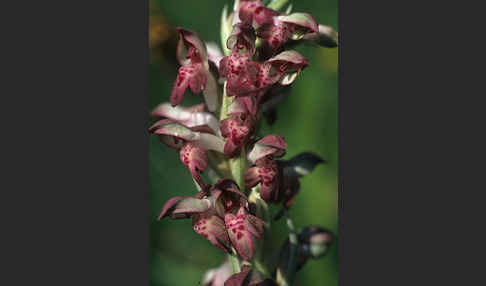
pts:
[196, 160]
[243, 230]
[237, 131]
[192, 145]
[272, 146]
[242, 39]
[266, 173]
[243, 227]
[220, 214]
[194, 71]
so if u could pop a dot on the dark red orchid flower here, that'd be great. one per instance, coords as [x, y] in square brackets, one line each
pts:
[194, 71]
[195, 159]
[237, 131]
[276, 29]
[227, 198]
[272, 146]
[249, 78]
[255, 13]
[241, 73]
[220, 214]
[192, 145]
[243, 227]
[205, 220]
[242, 39]
[243, 230]
[266, 173]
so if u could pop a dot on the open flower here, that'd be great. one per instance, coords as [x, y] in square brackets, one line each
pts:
[243, 230]
[237, 131]
[243, 227]
[205, 220]
[274, 28]
[220, 214]
[191, 144]
[194, 71]
[242, 39]
[266, 171]
[272, 146]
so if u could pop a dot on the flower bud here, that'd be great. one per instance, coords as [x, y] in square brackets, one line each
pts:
[315, 241]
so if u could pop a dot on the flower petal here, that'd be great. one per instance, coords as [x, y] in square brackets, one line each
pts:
[290, 57]
[193, 75]
[240, 236]
[289, 63]
[181, 84]
[211, 94]
[192, 39]
[252, 177]
[304, 23]
[271, 145]
[255, 13]
[214, 53]
[210, 142]
[188, 117]
[213, 229]
[254, 225]
[242, 38]
[173, 134]
[237, 107]
[236, 131]
[183, 207]
[326, 37]
[217, 276]
[195, 160]
[197, 82]
[227, 197]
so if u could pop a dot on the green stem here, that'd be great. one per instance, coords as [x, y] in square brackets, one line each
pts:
[235, 262]
[238, 168]
[225, 105]
[262, 212]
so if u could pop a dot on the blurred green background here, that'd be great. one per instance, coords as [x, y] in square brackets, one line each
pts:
[307, 119]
